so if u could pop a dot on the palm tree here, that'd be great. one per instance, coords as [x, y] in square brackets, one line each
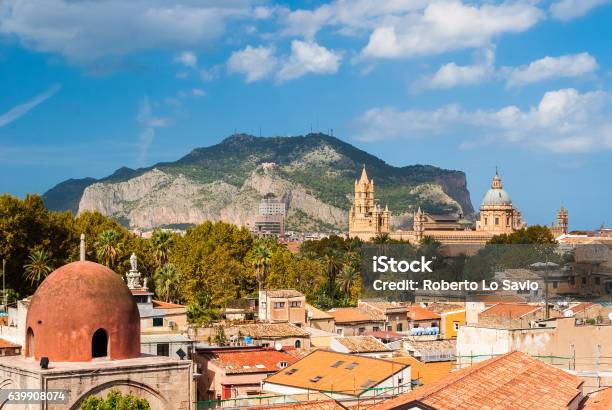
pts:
[381, 238]
[108, 247]
[162, 242]
[38, 266]
[348, 276]
[332, 262]
[261, 262]
[166, 282]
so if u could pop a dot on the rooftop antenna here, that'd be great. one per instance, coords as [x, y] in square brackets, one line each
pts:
[82, 248]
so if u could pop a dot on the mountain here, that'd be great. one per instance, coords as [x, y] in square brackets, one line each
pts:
[314, 174]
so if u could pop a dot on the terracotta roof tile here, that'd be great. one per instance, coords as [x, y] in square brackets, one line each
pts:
[353, 315]
[511, 381]
[6, 344]
[419, 313]
[261, 361]
[158, 304]
[599, 400]
[308, 405]
[510, 310]
[271, 330]
[362, 344]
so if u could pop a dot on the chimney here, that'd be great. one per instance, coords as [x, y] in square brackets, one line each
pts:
[82, 248]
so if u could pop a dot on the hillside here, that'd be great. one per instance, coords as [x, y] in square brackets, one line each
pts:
[314, 174]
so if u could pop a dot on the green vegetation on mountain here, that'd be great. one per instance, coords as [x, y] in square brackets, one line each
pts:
[324, 166]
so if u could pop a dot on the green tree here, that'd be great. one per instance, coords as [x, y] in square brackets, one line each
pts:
[115, 401]
[333, 263]
[38, 267]
[261, 262]
[108, 247]
[535, 234]
[162, 242]
[166, 281]
[202, 311]
[347, 279]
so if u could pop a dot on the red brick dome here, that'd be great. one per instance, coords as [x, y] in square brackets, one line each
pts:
[81, 311]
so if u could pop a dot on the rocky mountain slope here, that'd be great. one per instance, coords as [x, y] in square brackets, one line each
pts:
[314, 174]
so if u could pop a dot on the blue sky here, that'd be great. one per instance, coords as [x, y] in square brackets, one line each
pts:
[87, 87]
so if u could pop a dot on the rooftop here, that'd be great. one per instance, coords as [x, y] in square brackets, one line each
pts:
[314, 313]
[513, 380]
[158, 304]
[326, 371]
[6, 344]
[419, 313]
[353, 315]
[426, 373]
[446, 344]
[259, 361]
[283, 293]
[438, 307]
[598, 400]
[308, 405]
[271, 330]
[510, 310]
[362, 344]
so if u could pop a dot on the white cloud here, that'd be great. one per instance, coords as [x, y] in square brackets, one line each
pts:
[198, 92]
[452, 75]
[22, 109]
[545, 68]
[187, 58]
[308, 57]
[149, 124]
[87, 31]
[352, 16]
[449, 25]
[255, 63]
[563, 121]
[569, 9]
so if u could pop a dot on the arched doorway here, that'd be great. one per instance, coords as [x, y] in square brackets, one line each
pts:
[297, 344]
[29, 343]
[99, 344]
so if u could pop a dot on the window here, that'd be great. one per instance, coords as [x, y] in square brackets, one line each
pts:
[297, 344]
[291, 371]
[282, 365]
[352, 366]
[338, 364]
[572, 280]
[361, 330]
[507, 221]
[486, 221]
[375, 328]
[584, 280]
[496, 221]
[158, 321]
[99, 344]
[30, 343]
[555, 284]
[597, 280]
[389, 328]
[296, 304]
[316, 379]
[399, 327]
[279, 305]
[456, 326]
[163, 349]
[400, 381]
[339, 331]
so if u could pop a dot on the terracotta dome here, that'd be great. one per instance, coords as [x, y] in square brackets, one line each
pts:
[81, 311]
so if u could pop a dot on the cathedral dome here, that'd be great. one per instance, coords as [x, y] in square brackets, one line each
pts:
[496, 197]
[82, 311]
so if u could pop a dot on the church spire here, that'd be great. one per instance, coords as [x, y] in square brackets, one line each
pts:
[364, 176]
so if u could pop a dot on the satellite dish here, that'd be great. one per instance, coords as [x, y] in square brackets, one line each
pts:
[568, 313]
[278, 347]
[310, 314]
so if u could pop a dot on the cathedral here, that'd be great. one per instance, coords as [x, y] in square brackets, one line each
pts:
[497, 216]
